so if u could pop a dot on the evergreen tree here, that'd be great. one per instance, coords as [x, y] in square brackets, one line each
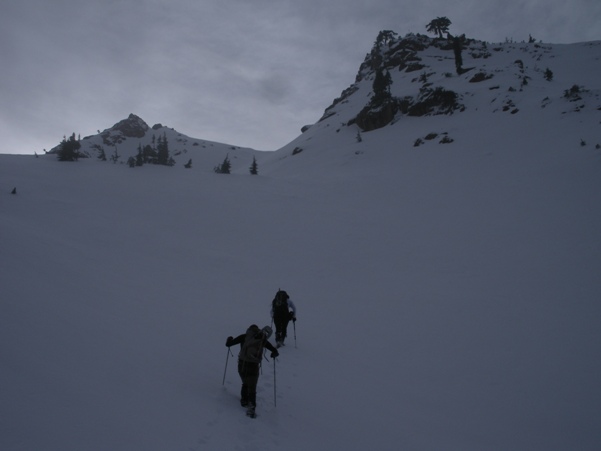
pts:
[381, 87]
[115, 157]
[140, 156]
[149, 154]
[163, 151]
[457, 48]
[188, 165]
[224, 168]
[439, 25]
[69, 149]
[385, 36]
[254, 167]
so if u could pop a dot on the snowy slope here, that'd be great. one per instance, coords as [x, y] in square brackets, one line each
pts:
[447, 294]
[124, 139]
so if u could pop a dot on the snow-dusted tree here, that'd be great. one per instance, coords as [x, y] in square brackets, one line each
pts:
[439, 26]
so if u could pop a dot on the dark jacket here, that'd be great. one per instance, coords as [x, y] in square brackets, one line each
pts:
[240, 339]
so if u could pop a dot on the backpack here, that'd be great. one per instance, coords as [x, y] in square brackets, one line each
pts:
[280, 304]
[252, 349]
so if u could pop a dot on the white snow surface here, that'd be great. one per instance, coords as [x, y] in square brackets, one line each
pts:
[447, 294]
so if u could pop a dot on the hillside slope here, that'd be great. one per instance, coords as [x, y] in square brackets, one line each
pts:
[504, 93]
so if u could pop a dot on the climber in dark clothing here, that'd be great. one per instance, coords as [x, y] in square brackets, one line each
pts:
[282, 311]
[249, 360]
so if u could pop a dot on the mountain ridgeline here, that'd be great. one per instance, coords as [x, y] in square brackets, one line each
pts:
[414, 76]
[421, 76]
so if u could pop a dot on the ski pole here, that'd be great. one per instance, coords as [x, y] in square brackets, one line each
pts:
[229, 351]
[294, 325]
[274, 390]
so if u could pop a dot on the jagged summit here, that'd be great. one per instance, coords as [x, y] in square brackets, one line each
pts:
[132, 127]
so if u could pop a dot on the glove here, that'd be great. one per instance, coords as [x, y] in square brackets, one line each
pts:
[294, 319]
[228, 342]
[274, 354]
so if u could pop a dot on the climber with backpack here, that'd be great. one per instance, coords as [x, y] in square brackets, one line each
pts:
[283, 311]
[250, 357]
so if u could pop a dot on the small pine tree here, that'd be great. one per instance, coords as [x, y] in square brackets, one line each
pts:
[163, 151]
[225, 167]
[254, 167]
[140, 156]
[381, 87]
[548, 74]
[188, 165]
[115, 156]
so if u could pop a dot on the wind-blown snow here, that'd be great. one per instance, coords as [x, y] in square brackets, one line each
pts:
[447, 294]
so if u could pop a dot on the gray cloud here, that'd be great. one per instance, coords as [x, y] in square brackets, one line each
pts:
[244, 73]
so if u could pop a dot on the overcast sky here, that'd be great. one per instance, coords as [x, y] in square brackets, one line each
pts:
[244, 72]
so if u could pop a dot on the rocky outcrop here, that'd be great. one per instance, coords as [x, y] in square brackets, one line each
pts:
[391, 55]
[132, 127]
[373, 117]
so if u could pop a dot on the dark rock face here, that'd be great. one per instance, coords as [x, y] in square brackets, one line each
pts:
[401, 55]
[393, 60]
[132, 127]
[371, 118]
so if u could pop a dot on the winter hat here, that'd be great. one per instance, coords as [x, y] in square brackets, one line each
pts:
[267, 331]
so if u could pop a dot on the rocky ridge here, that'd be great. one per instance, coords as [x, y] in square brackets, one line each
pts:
[423, 77]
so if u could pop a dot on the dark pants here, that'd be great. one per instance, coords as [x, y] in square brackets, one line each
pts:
[249, 373]
[281, 325]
